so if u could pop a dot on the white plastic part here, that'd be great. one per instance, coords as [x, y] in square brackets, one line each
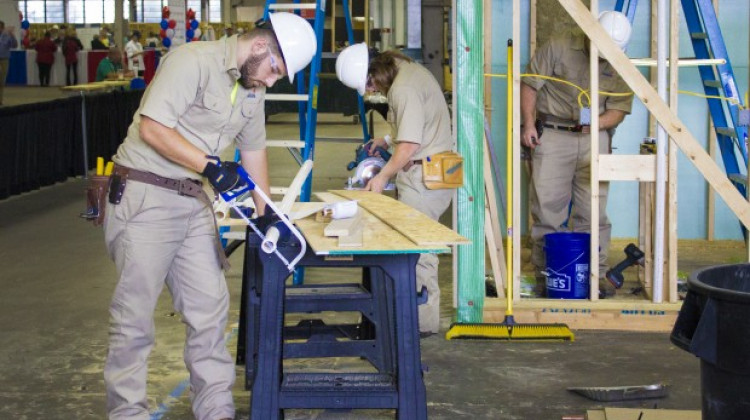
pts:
[352, 65]
[296, 39]
[342, 210]
[272, 234]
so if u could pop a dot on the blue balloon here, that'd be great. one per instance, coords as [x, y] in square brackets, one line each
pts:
[193, 24]
[164, 24]
[25, 24]
[166, 42]
[190, 34]
[188, 39]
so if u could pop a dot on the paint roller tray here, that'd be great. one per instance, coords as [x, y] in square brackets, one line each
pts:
[622, 393]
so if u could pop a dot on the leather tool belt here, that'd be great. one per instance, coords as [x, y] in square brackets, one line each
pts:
[188, 187]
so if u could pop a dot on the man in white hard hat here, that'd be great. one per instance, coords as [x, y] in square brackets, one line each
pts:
[159, 225]
[561, 156]
[421, 124]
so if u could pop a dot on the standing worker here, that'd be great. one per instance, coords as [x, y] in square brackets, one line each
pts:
[8, 42]
[159, 225]
[134, 51]
[71, 46]
[561, 159]
[418, 113]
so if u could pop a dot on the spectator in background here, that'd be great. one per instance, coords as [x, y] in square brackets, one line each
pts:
[152, 41]
[53, 32]
[60, 37]
[111, 66]
[7, 42]
[70, 49]
[104, 38]
[97, 44]
[228, 31]
[134, 50]
[45, 57]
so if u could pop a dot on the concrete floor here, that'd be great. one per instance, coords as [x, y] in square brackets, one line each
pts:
[57, 280]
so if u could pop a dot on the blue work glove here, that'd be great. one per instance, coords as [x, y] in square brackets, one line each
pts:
[269, 219]
[223, 176]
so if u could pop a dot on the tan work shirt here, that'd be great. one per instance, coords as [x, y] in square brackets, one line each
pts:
[566, 58]
[191, 93]
[418, 111]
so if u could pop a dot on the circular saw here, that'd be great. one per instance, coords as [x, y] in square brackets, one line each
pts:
[366, 167]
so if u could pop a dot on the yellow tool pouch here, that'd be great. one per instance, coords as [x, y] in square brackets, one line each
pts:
[443, 170]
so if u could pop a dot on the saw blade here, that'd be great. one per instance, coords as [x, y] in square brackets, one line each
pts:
[368, 169]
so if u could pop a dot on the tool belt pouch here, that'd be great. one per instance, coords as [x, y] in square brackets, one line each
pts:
[443, 170]
[96, 199]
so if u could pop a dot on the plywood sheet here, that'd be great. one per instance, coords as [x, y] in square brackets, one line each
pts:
[410, 222]
[377, 237]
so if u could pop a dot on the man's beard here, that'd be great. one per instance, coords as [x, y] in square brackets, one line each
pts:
[249, 69]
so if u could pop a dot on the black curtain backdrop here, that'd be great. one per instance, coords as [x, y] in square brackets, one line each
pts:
[41, 144]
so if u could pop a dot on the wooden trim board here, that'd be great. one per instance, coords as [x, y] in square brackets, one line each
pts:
[344, 227]
[611, 314]
[410, 222]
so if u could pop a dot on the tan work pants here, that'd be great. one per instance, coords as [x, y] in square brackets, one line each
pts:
[433, 203]
[561, 171]
[155, 237]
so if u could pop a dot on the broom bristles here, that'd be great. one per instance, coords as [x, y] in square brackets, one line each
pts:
[528, 332]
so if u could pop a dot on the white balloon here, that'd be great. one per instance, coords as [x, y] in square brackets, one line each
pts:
[170, 33]
[197, 32]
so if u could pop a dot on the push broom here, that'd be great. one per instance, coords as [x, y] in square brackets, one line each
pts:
[509, 329]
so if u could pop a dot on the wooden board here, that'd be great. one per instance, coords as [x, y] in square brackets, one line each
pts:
[612, 413]
[377, 237]
[410, 222]
[595, 415]
[627, 168]
[344, 227]
[355, 239]
[606, 314]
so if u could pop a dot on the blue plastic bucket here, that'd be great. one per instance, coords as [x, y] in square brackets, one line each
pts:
[567, 270]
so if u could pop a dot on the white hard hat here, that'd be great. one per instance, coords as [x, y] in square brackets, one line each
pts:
[351, 67]
[296, 39]
[617, 26]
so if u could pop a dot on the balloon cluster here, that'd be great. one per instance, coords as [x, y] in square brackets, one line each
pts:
[192, 30]
[24, 23]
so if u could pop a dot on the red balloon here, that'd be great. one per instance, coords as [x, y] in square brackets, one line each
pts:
[163, 33]
[190, 14]
[196, 39]
[187, 25]
[165, 12]
[172, 23]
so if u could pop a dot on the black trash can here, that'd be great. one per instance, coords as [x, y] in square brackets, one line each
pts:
[714, 324]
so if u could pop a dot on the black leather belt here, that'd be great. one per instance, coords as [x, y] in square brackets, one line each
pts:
[570, 128]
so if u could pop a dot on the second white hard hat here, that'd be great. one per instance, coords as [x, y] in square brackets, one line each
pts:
[617, 26]
[352, 65]
[296, 39]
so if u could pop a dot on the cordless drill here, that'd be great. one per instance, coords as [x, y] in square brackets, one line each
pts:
[633, 256]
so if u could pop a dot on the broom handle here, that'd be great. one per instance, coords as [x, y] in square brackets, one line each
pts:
[509, 176]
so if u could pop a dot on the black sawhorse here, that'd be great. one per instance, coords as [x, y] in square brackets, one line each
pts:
[390, 306]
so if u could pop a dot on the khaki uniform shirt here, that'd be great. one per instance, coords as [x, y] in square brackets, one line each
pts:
[418, 111]
[191, 93]
[566, 58]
